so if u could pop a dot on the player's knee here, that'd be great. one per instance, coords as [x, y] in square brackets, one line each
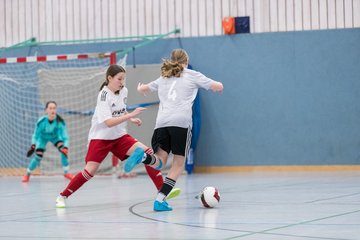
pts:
[60, 146]
[149, 151]
[39, 153]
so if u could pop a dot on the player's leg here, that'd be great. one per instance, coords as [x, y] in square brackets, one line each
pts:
[180, 142]
[76, 182]
[168, 189]
[148, 158]
[126, 145]
[64, 159]
[120, 165]
[154, 174]
[114, 164]
[137, 155]
[157, 177]
[97, 151]
[157, 160]
[40, 148]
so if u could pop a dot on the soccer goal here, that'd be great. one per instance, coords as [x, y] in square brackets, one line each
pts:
[27, 83]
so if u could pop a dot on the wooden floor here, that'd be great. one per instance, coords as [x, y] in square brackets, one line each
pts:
[254, 206]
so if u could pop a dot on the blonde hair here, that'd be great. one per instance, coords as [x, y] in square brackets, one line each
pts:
[173, 67]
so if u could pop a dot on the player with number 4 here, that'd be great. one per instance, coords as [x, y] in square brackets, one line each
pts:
[177, 88]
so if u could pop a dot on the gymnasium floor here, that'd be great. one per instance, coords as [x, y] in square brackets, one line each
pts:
[261, 206]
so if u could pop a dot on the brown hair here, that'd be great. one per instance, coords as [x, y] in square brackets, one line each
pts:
[112, 71]
[174, 66]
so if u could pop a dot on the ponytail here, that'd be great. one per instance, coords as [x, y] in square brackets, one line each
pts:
[171, 69]
[59, 119]
[105, 83]
[175, 66]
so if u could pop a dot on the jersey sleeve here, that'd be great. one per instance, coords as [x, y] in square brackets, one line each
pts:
[103, 107]
[125, 92]
[200, 80]
[64, 134]
[154, 85]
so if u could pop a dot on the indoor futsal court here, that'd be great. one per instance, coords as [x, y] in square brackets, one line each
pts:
[256, 102]
[314, 205]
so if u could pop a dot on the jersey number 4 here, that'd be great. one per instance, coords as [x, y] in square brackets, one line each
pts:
[172, 92]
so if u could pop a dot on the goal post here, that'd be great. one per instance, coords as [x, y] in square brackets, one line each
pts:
[27, 83]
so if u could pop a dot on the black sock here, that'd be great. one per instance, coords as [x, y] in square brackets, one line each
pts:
[167, 186]
[149, 160]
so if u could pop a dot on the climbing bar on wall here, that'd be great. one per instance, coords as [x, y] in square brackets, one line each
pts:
[147, 39]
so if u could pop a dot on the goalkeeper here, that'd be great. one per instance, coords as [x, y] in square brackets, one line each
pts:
[50, 127]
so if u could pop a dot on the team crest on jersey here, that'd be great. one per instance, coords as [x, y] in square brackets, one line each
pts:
[113, 105]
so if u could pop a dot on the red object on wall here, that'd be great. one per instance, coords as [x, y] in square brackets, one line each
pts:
[228, 24]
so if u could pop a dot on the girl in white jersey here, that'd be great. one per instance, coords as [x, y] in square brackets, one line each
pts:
[108, 132]
[177, 88]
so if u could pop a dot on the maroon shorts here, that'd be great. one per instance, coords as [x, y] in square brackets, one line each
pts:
[99, 149]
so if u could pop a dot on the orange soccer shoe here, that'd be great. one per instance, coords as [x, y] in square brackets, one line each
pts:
[68, 176]
[26, 178]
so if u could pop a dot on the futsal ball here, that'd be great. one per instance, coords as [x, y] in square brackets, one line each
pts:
[209, 197]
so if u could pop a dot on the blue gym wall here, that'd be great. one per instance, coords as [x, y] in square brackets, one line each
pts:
[290, 98]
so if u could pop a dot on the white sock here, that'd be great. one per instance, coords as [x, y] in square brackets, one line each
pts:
[160, 197]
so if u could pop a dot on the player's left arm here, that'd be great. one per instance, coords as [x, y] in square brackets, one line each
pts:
[207, 83]
[136, 121]
[217, 86]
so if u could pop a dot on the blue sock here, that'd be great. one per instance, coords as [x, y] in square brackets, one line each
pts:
[65, 163]
[34, 163]
[160, 165]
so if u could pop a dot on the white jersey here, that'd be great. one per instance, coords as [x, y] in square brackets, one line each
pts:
[108, 106]
[177, 95]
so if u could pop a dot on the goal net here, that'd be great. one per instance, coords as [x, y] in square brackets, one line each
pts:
[26, 84]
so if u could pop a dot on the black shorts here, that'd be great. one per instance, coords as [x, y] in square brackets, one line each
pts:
[172, 139]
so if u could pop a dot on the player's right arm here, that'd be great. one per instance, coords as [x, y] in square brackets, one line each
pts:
[35, 136]
[143, 89]
[38, 129]
[36, 133]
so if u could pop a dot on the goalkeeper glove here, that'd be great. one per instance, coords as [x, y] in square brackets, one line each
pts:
[30, 151]
[64, 150]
